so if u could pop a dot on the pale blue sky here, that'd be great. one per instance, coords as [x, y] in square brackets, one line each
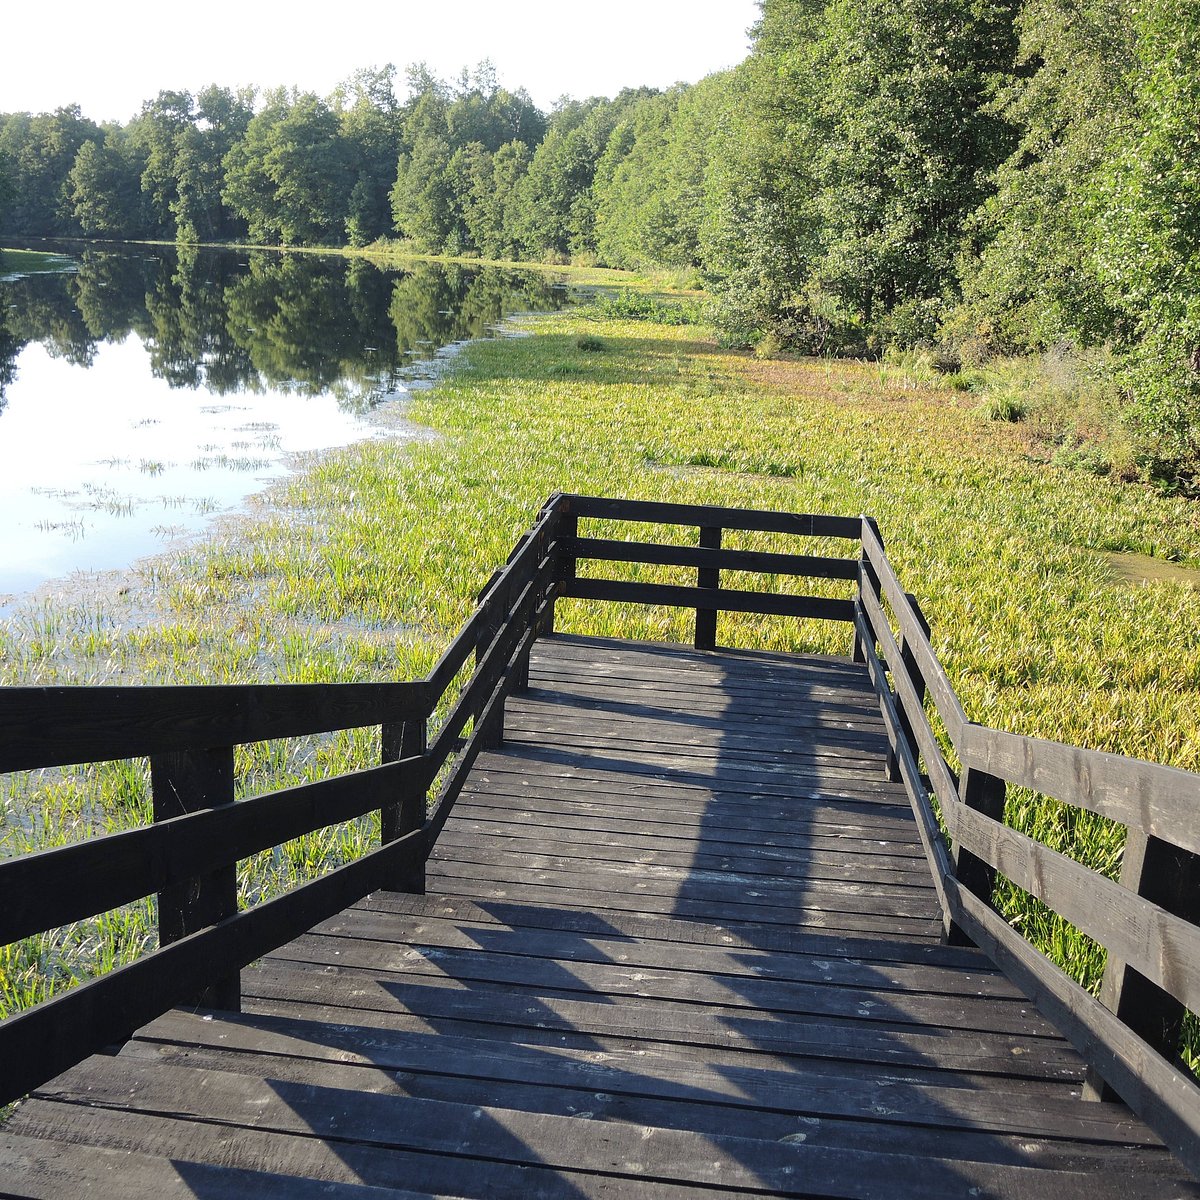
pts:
[109, 58]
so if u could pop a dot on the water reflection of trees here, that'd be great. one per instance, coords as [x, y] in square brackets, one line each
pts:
[230, 322]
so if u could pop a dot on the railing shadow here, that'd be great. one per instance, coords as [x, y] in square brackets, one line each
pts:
[782, 997]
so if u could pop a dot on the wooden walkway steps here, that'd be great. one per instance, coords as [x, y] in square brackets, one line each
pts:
[679, 938]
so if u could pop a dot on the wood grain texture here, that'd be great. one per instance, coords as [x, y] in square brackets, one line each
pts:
[666, 951]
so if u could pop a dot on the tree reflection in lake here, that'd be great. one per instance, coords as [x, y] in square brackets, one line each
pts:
[229, 321]
[147, 388]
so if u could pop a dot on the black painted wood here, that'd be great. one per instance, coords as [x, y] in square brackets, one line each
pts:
[185, 782]
[684, 862]
[406, 813]
[729, 599]
[659, 513]
[984, 794]
[48, 727]
[707, 577]
[1170, 878]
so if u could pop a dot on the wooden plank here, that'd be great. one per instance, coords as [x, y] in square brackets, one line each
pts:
[936, 680]
[40, 1168]
[576, 1151]
[798, 721]
[327, 1160]
[691, 881]
[808, 566]
[936, 853]
[945, 786]
[660, 513]
[976, 979]
[59, 726]
[697, 830]
[345, 1115]
[1159, 800]
[707, 576]
[617, 983]
[678, 930]
[985, 794]
[800, 1088]
[585, 1087]
[808, 681]
[726, 599]
[404, 812]
[579, 727]
[766, 776]
[503, 836]
[862, 808]
[607, 889]
[182, 782]
[677, 793]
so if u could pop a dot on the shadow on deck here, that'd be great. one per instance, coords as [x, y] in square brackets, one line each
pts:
[679, 936]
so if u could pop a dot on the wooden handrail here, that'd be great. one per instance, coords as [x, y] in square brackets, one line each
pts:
[1147, 922]
[1148, 926]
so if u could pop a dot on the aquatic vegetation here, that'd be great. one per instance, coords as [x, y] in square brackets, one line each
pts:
[363, 564]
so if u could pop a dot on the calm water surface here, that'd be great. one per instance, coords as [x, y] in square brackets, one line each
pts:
[142, 392]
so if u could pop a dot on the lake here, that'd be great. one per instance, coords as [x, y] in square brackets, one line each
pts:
[145, 390]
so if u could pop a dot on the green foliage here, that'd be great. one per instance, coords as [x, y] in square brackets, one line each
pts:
[635, 305]
[1032, 283]
[103, 185]
[40, 152]
[287, 178]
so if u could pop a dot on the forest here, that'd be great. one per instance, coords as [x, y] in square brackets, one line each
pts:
[968, 181]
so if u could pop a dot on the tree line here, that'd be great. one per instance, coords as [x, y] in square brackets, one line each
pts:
[981, 177]
[305, 323]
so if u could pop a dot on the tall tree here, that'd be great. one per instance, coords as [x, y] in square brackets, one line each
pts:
[41, 151]
[1030, 280]
[1147, 236]
[105, 187]
[288, 178]
[913, 150]
[370, 118]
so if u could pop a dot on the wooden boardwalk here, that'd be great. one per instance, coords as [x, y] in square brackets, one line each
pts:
[679, 937]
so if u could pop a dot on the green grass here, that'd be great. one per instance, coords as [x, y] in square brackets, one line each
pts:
[32, 262]
[363, 566]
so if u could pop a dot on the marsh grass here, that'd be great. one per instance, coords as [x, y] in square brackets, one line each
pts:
[363, 565]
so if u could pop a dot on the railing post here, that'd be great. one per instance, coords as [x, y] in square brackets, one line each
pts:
[187, 781]
[1169, 877]
[496, 601]
[707, 577]
[858, 652]
[568, 531]
[521, 670]
[404, 739]
[909, 660]
[985, 794]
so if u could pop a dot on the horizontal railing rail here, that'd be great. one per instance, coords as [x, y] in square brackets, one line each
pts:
[1147, 922]
[189, 856]
[956, 773]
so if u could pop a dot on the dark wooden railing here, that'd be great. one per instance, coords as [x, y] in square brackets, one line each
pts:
[1147, 922]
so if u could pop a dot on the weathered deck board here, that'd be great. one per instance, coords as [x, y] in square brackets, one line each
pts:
[679, 939]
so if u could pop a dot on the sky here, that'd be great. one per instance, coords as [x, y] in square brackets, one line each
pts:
[110, 58]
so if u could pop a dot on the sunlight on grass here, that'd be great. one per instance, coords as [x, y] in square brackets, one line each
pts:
[363, 565]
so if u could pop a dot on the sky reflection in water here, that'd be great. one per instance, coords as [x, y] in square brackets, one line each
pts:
[144, 393]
